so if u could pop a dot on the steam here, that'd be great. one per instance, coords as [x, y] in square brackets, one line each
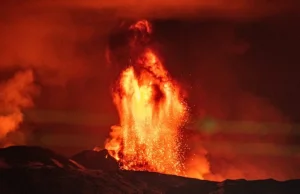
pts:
[15, 94]
[45, 45]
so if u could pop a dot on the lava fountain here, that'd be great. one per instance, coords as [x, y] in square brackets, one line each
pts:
[151, 112]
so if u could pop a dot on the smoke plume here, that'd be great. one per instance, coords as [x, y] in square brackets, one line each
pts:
[15, 94]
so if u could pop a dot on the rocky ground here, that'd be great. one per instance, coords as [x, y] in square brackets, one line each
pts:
[38, 170]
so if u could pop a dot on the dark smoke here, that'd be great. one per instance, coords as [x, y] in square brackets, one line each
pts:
[241, 133]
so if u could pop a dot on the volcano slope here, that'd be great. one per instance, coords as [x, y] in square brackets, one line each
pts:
[37, 170]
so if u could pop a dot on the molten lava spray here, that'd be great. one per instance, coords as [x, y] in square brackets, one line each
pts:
[15, 94]
[151, 112]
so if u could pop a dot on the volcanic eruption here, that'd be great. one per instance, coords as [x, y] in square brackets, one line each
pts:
[151, 111]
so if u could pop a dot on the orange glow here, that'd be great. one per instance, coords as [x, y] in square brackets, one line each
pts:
[151, 111]
[142, 25]
[15, 95]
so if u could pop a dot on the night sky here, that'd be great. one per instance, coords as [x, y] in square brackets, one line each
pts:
[238, 62]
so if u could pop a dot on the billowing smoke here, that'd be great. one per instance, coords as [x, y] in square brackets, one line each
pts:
[60, 49]
[16, 94]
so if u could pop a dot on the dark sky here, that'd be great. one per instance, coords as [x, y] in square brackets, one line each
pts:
[238, 61]
[261, 56]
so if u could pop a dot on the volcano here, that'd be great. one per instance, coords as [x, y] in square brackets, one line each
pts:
[26, 169]
[146, 150]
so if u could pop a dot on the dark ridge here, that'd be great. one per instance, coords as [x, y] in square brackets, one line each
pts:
[18, 156]
[97, 160]
[20, 176]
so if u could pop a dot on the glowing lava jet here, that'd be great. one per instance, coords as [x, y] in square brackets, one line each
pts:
[151, 112]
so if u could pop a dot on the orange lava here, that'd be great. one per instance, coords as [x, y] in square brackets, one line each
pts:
[151, 112]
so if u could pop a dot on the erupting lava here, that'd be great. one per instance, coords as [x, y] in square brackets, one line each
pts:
[151, 112]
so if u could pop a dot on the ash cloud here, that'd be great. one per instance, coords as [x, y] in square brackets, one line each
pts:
[57, 39]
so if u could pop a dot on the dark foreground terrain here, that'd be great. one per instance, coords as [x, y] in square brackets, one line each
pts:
[34, 170]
